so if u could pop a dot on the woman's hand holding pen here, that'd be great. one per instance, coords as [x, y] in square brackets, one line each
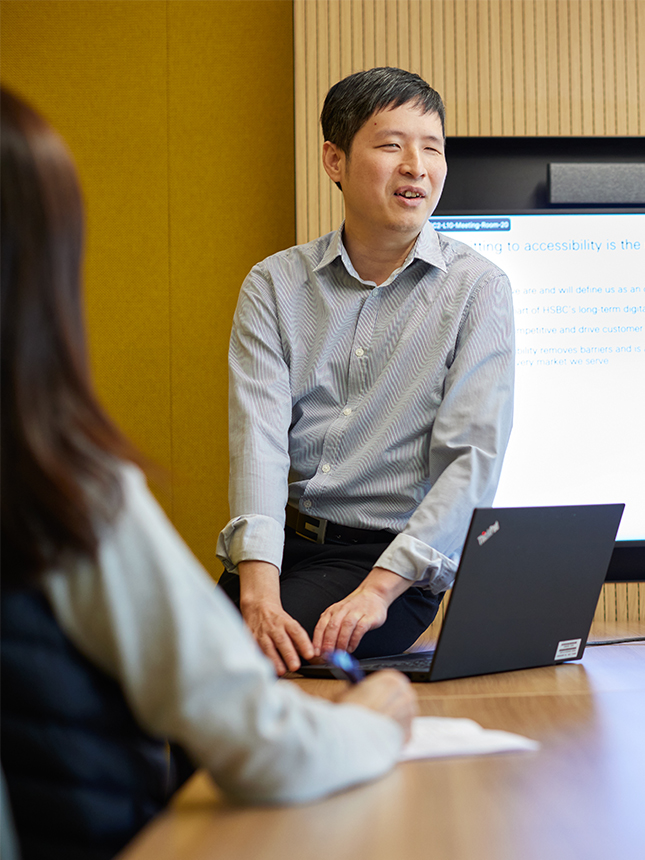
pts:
[389, 693]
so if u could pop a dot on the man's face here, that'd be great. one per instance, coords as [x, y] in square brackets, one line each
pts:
[394, 174]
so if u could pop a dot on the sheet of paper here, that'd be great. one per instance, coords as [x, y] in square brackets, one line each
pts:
[435, 737]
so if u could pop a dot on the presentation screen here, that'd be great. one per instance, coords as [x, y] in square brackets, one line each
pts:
[578, 285]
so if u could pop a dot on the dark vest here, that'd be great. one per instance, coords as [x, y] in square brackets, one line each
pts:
[82, 776]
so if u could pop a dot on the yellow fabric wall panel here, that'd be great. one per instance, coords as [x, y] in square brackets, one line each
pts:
[97, 70]
[179, 114]
[232, 201]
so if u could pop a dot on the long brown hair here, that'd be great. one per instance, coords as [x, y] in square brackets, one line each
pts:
[60, 451]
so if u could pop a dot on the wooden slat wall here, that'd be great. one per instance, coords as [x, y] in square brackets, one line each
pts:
[621, 606]
[503, 67]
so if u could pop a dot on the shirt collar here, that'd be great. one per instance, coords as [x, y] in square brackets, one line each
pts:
[426, 248]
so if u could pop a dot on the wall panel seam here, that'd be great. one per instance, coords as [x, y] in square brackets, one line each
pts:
[170, 272]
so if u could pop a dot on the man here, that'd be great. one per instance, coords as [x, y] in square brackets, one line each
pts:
[371, 383]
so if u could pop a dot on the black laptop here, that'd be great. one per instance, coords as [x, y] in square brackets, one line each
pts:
[524, 595]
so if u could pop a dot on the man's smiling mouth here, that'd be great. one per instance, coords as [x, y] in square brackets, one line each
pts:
[410, 194]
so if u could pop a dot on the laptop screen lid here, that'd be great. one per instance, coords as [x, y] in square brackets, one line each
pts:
[525, 593]
[527, 588]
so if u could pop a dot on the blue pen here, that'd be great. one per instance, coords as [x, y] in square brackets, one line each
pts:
[345, 667]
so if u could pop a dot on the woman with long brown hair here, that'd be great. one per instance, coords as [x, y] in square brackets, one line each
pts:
[114, 639]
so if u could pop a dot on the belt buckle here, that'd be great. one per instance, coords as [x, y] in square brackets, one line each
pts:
[315, 526]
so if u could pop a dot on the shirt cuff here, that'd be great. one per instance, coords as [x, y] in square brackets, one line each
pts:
[250, 538]
[415, 560]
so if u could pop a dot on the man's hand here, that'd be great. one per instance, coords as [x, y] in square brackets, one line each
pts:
[343, 624]
[279, 635]
[388, 693]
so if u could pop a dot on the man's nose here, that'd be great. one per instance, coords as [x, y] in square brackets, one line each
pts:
[412, 163]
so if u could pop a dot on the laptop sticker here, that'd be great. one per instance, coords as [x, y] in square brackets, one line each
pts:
[567, 649]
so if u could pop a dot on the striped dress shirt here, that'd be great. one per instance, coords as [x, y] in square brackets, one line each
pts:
[383, 407]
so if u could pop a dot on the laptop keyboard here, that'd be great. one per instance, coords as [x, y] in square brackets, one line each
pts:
[403, 662]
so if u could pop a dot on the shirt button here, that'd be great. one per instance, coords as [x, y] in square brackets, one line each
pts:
[307, 504]
[360, 352]
[326, 468]
[347, 411]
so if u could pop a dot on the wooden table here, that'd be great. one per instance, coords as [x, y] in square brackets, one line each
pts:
[580, 797]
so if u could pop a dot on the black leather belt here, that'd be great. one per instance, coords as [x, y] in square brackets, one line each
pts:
[319, 530]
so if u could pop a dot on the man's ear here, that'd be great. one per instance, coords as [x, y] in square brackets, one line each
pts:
[333, 160]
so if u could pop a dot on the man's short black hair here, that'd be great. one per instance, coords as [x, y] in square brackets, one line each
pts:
[352, 101]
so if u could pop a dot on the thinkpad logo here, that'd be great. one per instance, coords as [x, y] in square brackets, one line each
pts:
[490, 531]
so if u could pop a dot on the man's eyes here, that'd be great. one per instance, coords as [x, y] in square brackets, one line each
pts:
[434, 150]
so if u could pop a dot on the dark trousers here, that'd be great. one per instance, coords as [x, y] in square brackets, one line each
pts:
[316, 575]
